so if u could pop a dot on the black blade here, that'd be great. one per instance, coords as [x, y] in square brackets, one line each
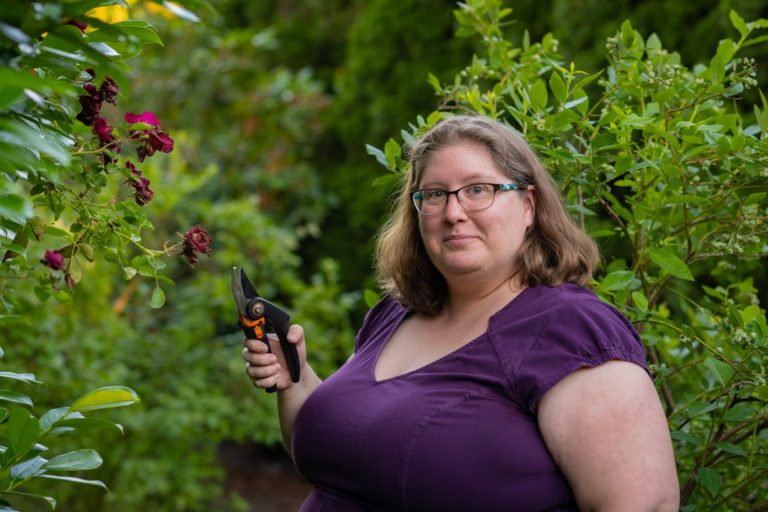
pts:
[237, 291]
[248, 288]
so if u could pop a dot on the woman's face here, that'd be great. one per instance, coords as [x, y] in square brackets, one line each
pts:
[483, 242]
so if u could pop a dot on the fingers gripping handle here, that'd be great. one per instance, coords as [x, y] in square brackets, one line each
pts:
[254, 329]
[266, 315]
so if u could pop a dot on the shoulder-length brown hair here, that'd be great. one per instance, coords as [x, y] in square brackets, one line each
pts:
[555, 250]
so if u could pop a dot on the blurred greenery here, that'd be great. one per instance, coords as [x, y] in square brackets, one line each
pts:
[271, 106]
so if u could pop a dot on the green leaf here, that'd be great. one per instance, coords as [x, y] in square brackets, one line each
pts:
[393, 153]
[698, 408]
[710, 479]
[741, 412]
[640, 300]
[685, 437]
[388, 180]
[156, 263]
[670, 263]
[371, 298]
[15, 208]
[627, 34]
[181, 12]
[4, 507]
[750, 313]
[15, 248]
[158, 298]
[28, 137]
[755, 198]
[716, 70]
[26, 469]
[576, 102]
[559, 89]
[738, 23]
[75, 269]
[73, 479]
[539, 95]
[617, 280]
[86, 250]
[51, 417]
[78, 460]
[105, 398]
[13, 83]
[141, 30]
[23, 430]
[14, 319]
[376, 152]
[18, 398]
[129, 272]
[732, 449]
[653, 44]
[722, 371]
[91, 423]
[24, 377]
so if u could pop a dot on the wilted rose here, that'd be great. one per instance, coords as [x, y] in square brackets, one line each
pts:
[160, 141]
[152, 139]
[104, 132]
[108, 90]
[142, 193]
[54, 260]
[196, 240]
[91, 108]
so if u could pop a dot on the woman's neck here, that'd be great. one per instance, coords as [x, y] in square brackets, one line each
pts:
[470, 301]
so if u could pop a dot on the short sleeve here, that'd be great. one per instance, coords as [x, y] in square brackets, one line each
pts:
[578, 334]
[382, 313]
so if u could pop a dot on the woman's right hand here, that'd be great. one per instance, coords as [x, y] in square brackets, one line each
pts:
[267, 369]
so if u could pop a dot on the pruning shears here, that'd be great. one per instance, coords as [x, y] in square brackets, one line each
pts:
[258, 316]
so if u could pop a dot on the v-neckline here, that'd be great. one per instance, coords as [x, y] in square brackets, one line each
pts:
[403, 315]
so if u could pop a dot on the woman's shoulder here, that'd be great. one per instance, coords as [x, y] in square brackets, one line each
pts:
[556, 330]
[537, 303]
[383, 313]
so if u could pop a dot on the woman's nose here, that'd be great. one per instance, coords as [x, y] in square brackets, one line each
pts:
[454, 209]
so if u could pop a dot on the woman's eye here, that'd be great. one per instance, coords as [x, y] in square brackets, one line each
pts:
[478, 190]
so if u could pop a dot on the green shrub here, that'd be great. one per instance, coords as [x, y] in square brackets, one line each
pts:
[665, 166]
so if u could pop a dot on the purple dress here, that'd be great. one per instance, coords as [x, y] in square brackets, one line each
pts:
[461, 432]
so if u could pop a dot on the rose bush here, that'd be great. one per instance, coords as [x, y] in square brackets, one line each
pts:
[64, 163]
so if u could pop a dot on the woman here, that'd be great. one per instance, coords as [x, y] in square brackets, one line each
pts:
[490, 378]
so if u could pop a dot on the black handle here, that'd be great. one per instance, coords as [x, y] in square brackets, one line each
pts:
[278, 322]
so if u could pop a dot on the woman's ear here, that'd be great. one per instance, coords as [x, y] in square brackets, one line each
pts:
[529, 200]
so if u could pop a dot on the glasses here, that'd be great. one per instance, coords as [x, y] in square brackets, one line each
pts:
[477, 196]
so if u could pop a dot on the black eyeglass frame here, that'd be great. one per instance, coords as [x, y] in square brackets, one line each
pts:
[418, 195]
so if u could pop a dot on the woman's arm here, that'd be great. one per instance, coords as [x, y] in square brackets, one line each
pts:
[606, 430]
[269, 369]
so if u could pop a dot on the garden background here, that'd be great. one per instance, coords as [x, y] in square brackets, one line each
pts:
[147, 147]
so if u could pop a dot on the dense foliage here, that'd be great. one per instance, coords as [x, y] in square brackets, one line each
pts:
[660, 162]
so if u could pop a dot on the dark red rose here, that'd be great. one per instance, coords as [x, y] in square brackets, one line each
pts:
[54, 260]
[91, 108]
[103, 131]
[152, 139]
[108, 90]
[141, 191]
[196, 240]
[160, 141]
